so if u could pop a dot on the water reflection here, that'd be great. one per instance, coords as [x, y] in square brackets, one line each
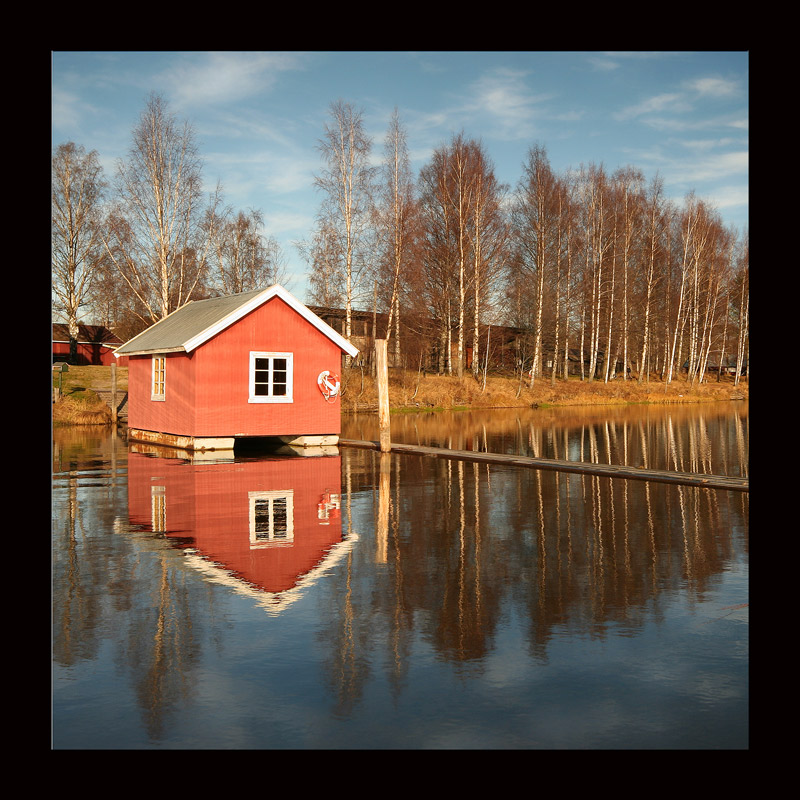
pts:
[374, 600]
[265, 526]
[577, 551]
[707, 438]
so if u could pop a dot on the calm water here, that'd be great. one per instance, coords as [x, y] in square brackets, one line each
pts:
[354, 600]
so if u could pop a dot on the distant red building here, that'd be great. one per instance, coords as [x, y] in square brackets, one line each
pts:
[95, 346]
[256, 364]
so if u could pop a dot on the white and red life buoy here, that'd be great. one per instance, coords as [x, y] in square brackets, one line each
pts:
[329, 384]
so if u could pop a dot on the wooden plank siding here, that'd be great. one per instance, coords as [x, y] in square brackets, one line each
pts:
[207, 389]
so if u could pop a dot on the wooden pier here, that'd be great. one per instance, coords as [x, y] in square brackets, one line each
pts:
[581, 467]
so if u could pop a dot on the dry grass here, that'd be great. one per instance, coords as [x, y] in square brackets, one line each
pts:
[408, 390]
[80, 405]
[81, 411]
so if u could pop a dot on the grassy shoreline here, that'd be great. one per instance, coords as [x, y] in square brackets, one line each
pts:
[411, 392]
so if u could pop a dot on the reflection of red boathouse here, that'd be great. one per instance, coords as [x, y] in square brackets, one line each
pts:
[267, 524]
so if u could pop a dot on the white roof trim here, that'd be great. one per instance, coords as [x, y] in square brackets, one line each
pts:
[259, 299]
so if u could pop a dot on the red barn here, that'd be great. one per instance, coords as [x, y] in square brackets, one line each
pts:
[256, 364]
[95, 345]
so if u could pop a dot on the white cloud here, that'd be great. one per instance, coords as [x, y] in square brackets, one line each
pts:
[603, 64]
[67, 110]
[714, 87]
[713, 167]
[225, 77]
[505, 98]
[668, 101]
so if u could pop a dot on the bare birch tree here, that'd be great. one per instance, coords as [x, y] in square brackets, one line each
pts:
[628, 185]
[76, 244]
[655, 249]
[243, 256]
[490, 235]
[159, 233]
[346, 183]
[437, 252]
[460, 196]
[395, 213]
[596, 228]
[535, 223]
[743, 337]
[463, 236]
[326, 280]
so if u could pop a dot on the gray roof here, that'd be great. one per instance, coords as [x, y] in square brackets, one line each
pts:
[194, 323]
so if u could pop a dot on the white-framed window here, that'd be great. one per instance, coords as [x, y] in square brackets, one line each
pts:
[270, 377]
[271, 518]
[158, 385]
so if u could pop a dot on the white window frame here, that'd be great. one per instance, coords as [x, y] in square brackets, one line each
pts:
[270, 397]
[267, 529]
[154, 394]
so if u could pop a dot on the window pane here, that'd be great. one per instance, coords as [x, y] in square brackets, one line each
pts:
[279, 518]
[262, 519]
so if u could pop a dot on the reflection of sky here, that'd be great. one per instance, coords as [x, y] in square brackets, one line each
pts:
[254, 680]
[590, 692]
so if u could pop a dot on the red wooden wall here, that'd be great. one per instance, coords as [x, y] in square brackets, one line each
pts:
[88, 354]
[207, 390]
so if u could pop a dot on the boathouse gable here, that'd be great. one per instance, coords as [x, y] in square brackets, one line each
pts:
[240, 366]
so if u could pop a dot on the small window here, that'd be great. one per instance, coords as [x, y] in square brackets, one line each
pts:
[271, 518]
[159, 378]
[271, 377]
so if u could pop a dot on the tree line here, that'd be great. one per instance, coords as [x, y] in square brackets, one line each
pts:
[131, 249]
[597, 271]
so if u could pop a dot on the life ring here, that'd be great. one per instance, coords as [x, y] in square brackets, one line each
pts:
[329, 384]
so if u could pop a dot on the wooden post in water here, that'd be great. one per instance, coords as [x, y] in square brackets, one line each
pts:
[114, 393]
[384, 496]
[382, 376]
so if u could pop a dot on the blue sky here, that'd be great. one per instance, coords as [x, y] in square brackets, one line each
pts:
[259, 116]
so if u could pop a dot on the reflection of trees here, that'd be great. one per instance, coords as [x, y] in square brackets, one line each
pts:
[346, 634]
[162, 646]
[101, 581]
[81, 458]
[692, 438]
[464, 592]
[75, 579]
[460, 546]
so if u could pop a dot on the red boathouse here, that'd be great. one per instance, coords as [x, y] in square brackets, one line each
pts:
[255, 364]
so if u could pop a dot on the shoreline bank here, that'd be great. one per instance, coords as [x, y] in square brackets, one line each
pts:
[81, 401]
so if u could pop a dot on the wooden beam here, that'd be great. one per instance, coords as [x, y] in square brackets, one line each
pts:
[581, 467]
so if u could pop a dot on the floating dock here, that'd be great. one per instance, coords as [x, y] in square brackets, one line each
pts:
[582, 467]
